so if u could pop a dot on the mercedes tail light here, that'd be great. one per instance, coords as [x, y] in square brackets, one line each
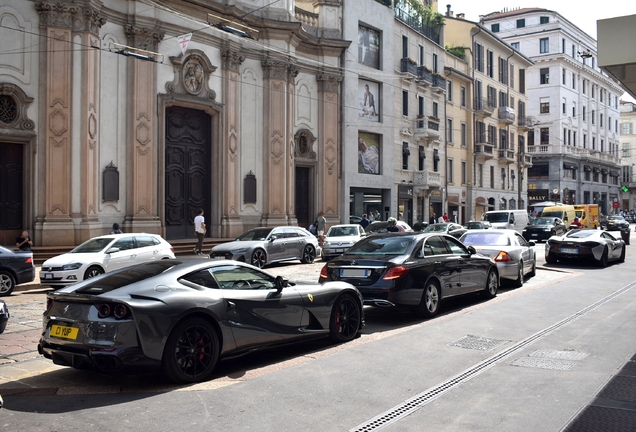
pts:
[395, 273]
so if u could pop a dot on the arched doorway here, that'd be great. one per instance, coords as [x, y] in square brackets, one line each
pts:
[11, 198]
[188, 176]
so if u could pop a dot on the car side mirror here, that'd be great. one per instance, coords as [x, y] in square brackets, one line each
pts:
[531, 243]
[472, 250]
[281, 283]
[273, 237]
[112, 250]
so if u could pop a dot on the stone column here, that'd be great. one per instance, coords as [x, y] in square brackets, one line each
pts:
[56, 23]
[277, 130]
[328, 145]
[291, 144]
[231, 225]
[141, 181]
[89, 140]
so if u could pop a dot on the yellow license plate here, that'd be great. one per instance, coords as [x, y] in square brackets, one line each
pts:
[64, 332]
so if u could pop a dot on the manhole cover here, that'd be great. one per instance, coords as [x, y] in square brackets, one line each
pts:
[477, 343]
[544, 363]
[561, 355]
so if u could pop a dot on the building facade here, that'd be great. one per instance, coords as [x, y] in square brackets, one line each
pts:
[115, 117]
[574, 139]
[628, 155]
[497, 159]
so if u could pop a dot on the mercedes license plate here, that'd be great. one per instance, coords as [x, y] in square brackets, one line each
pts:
[354, 272]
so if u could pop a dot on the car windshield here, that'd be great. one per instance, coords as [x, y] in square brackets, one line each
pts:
[543, 221]
[4, 250]
[616, 217]
[382, 246]
[342, 231]
[581, 233]
[436, 228]
[552, 214]
[496, 217]
[486, 239]
[93, 245]
[255, 234]
[376, 226]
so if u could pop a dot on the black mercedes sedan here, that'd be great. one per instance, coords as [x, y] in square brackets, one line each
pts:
[542, 228]
[180, 317]
[416, 270]
[16, 267]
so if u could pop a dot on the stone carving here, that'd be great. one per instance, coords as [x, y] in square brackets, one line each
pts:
[191, 75]
[304, 144]
[232, 59]
[69, 16]
[275, 69]
[329, 82]
[14, 104]
[144, 38]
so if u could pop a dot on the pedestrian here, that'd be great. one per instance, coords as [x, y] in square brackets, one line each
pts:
[199, 231]
[313, 228]
[116, 229]
[321, 227]
[433, 219]
[445, 216]
[371, 216]
[24, 242]
[377, 216]
[364, 222]
[392, 226]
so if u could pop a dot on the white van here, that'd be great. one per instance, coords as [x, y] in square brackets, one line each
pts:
[507, 219]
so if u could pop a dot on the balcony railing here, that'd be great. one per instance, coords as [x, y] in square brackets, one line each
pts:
[426, 128]
[402, 13]
[428, 178]
[579, 152]
[506, 114]
[483, 107]
[439, 81]
[305, 17]
[407, 66]
[425, 74]
[484, 150]
[525, 123]
[507, 155]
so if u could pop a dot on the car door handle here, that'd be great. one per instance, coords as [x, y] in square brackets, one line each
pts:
[231, 305]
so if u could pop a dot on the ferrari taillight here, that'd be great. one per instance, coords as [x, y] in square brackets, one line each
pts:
[503, 257]
[103, 310]
[395, 273]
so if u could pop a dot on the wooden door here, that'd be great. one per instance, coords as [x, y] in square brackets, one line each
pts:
[11, 193]
[188, 177]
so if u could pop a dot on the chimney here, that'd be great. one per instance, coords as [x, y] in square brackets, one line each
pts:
[460, 16]
[448, 11]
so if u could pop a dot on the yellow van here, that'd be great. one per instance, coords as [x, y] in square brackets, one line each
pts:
[587, 214]
[564, 212]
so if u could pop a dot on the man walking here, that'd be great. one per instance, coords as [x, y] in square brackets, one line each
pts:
[322, 227]
[364, 222]
[199, 231]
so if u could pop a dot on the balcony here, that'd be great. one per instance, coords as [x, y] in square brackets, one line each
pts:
[483, 107]
[428, 178]
[506, 115]
[439, 82]
[408, 66]
[507, 155]
[524, 124]
[484, 151]
[412, 20]
[424, 75]
[426, 128]
[525, 161]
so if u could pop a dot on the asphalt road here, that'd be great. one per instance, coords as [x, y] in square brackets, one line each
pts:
[528, 360]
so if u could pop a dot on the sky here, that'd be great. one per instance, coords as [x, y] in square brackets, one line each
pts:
[582, 13]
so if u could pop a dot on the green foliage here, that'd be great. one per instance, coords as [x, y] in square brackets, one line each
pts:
[431, 19]
[457, 51]
[387, 3]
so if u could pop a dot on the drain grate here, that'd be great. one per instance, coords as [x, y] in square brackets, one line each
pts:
[543, 363]
[620, 388]
[477, 343]
[560, 355]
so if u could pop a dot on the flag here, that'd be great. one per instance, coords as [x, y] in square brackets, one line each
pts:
[183, 41]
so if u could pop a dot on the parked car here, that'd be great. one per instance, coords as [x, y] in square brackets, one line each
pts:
[4, 316]
[478, 225]
[103, 254]
[267, 245]
[380, 227]
[456, 230]
[514, 255]
[355, 219]
[181, 317]
[339, 239]
[618, 223]
[542, 228]
[16, 267]
[416, 270]
[591, 244]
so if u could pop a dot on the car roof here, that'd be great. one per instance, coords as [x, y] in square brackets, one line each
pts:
[345, 225]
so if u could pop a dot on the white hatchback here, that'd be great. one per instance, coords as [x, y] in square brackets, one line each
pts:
[339, 239]
[103, 254]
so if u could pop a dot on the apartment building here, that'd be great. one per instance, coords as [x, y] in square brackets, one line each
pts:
[497, 148]
[628, 155]
[574, 107]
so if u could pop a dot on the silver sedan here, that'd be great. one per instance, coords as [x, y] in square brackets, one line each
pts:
[266, 245]
[514, 255]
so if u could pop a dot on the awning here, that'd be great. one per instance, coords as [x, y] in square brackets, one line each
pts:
[568, 165]
[603, 170]
[587, 168]
[596, 170]
[614, 174]
[453, 199]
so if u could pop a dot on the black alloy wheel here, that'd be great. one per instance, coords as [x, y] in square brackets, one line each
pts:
[345, 319]
[259, 258]
[309, 255]
[604, 261]
[622, 258]
[7, 283]
[191, 352]
[533, 272]
[550, 259]
[92, 272]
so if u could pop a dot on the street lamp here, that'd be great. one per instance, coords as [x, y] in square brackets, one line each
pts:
[585, 54]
